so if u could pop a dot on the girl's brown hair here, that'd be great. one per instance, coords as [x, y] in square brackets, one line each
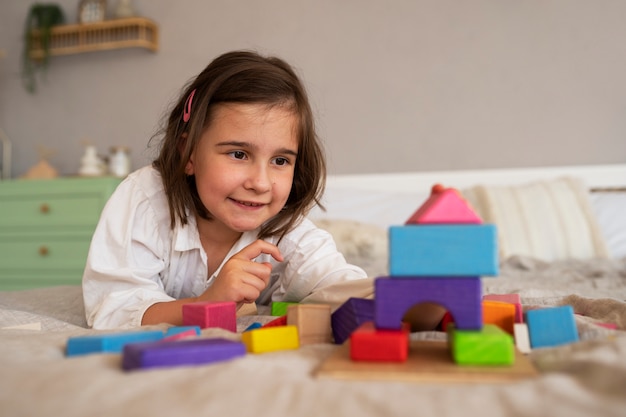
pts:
[241, 77]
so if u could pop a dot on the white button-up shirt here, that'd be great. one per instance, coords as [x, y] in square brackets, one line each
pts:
[136, 259]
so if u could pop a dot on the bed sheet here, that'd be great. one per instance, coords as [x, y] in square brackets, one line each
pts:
[580, 379]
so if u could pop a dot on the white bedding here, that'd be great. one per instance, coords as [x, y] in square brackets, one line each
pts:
[587, 378]
[583, 379]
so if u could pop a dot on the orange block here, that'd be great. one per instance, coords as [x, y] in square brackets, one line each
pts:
[499, 313]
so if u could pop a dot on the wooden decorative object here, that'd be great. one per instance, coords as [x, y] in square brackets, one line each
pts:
[109, 34]
[428, 362]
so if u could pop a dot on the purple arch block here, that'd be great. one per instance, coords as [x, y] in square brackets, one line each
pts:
[461, 296]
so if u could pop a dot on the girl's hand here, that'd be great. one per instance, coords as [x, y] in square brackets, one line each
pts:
[241, 279]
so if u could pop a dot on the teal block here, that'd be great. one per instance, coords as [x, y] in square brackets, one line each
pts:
[173, 331]
[552, 326]
[443, 250]
[109, 343]
[490, 346]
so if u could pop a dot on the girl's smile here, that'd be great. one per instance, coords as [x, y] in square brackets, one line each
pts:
[244, 165]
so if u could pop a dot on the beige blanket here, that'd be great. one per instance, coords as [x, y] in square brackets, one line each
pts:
[587, 378]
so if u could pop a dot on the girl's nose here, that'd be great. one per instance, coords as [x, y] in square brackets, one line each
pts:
[258, 180]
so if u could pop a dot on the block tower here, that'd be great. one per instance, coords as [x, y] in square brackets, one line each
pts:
[439, 256]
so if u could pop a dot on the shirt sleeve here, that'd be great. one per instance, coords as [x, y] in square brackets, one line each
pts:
[315, 271]
[127, 254]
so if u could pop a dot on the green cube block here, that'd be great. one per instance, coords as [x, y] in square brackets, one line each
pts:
[279, 308]
[490, 346]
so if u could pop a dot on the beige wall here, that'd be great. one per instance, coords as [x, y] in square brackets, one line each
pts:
[396, 85]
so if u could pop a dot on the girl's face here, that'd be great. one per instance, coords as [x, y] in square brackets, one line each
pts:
[244, 164]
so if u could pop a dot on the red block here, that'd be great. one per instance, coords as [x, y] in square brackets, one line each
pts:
[211, 314]
[280, 321]
[379, 345]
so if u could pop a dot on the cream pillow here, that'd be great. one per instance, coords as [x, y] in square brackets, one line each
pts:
[549, 220]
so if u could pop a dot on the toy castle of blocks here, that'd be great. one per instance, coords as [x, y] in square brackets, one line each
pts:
[438, 256]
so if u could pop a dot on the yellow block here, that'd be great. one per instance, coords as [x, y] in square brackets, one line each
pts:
[270, 339]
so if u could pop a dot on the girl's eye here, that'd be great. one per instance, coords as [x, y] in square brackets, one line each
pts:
[238, 154]
[281, 161]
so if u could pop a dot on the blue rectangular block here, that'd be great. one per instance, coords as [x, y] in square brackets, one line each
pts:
[173, 331]
[443, 250]
[109, 343]
[552, 326]
[184, 352]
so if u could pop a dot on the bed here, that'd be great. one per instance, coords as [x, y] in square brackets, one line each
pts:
[580, 261]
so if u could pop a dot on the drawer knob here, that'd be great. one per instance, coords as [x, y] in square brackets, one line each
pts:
[44, 208]
[43, 250]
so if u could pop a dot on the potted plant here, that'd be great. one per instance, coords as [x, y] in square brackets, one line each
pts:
[41, 17]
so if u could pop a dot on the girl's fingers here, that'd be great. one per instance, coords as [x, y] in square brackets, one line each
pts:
[257, 248]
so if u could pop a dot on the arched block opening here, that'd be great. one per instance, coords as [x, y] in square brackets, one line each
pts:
[461, 296]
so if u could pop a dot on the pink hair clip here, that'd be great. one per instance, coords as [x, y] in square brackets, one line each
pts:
[187, 109]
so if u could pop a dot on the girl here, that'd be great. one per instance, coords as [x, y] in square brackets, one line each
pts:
[220, 214]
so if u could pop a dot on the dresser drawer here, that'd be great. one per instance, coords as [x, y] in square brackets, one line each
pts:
[57, 211]
[44, 253]
[11, 280]
[58, 203]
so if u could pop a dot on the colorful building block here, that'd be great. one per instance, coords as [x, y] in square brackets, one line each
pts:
[443, 250]
[445, 205]
[514, 299]
[255, 325]
[279, 308]
[488, 346]
[367, 343]
[172, 331]
[349, 316]
[184, 352]
[461, 296]
[280, 321]
[108, 343]
[270, 339]
[208, 314]
[499, 313]
[522, 341]
[551, 326]
[312, 321]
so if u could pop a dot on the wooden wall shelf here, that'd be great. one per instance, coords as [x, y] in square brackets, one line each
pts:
[99, 36]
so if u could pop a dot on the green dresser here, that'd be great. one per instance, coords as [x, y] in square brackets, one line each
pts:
[46, 228]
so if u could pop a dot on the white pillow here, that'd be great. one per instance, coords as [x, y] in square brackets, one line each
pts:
[610, 210]
[549, 220]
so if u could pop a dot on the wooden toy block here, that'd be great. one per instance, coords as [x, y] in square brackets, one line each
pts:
[488, 346]
[271, 339]
[349, 316]
[378, 345]
[312, 321]
[447, 319]
[184, 352]
[172, 331]
[522, 342]
[461, 296]
[514, 299]
[443, 250]
[247, 309]
[255, 325]
[280, 321]
[108, 343]
[211, 314]
[499, 313]
[551, 326]
[445, 205]
[279, 308]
